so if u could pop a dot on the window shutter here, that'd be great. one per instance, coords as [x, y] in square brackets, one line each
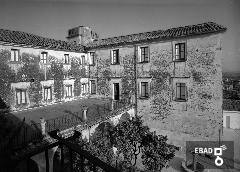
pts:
[111, 59]
[12, 55]
[118, 56]
[139, 54]
[174, 91]
[148, 53]
[139, 89]
[149, 88]
[186, 92]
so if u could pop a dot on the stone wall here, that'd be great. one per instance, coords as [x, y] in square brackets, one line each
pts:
[30, 70]
[106, 74]
[201, 114]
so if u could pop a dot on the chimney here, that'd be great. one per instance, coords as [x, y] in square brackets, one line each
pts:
[82, 35]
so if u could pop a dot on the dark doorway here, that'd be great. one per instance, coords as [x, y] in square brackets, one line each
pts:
[227, 121]
[116, 91]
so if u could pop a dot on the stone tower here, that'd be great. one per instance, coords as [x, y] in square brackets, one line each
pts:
[82, 35]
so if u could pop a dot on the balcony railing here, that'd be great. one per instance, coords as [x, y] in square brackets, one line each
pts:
[95, 162]
[33, 132]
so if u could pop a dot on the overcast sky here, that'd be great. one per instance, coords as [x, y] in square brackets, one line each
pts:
[52, 18]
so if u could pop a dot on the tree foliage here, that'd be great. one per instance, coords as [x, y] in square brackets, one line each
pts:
[133, 141]
[7, 76]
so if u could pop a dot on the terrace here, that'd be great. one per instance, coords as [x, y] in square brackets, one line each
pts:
[22, 131]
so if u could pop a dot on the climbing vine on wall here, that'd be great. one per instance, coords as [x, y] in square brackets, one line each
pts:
[7, 76]
[128, 77]
[104, 75]
[78, 72]
[57, 74]
[160, 85]
[204, 72]
[31, 72]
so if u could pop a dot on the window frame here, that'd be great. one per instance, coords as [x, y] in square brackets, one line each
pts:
[144, 57]
[182, 97]
[95, 88]
[92, 58]
[42, 59]
[146, 90]
[44, 93]
[83, 60]
[21, 91]
[66, 59]
[115, 57]
[67, 90]
[178, 56]
[16, 58]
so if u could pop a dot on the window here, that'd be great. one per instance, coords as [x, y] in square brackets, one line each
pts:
[181, 91]
[44, 57]
[84, 88]
[93, 87]
[116, 91]
[14, 55]
[83, 60]
[144, 54]
[66, 58]
[180, 52]
[144, 89]
[21, 97]
[115, 56]
[68, 90]
[92, 56]
[47, 93]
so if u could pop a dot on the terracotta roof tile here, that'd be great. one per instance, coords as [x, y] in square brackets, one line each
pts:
[191, 30]
[23, 38]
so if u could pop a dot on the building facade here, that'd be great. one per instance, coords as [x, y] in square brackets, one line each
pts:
[174, 76]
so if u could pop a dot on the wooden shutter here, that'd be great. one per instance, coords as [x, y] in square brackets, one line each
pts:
[186, 92]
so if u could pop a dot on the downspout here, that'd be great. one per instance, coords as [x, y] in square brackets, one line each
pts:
[88, 54]
[135, 77]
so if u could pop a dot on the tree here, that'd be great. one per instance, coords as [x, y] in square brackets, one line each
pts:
[156, 152]
[99, 145]
[132, 139]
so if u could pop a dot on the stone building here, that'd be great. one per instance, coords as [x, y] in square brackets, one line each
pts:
[174, 76]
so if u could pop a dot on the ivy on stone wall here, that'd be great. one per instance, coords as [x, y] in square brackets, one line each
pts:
[128, 78]
[78, 72]
[7, 76]
[57, 74]
[104, 76]
[161, 92]
[203, 72]
[31, 72]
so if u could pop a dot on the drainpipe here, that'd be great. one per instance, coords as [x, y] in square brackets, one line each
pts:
[135, 75]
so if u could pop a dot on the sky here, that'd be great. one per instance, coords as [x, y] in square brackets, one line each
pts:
[52, 18]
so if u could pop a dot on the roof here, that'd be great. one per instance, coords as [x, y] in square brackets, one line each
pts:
[178, 32]
[22, 38]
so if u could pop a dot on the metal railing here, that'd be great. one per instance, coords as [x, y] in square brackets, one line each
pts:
[33, 133]
[95, 162]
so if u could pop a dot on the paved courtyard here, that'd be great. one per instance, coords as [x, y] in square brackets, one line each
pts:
[96, 108]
